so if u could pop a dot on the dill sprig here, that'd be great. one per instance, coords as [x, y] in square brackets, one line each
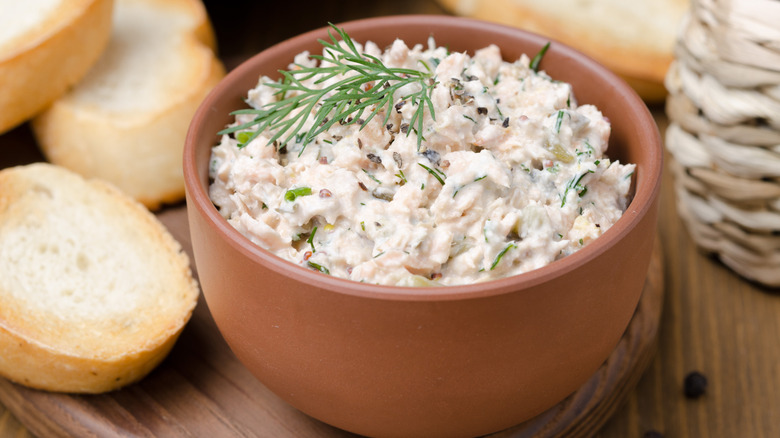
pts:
[369, 85]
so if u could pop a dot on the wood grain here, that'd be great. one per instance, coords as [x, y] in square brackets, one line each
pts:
[715, 322]
[202, 390]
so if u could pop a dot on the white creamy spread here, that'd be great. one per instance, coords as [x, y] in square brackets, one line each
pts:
[510, 175]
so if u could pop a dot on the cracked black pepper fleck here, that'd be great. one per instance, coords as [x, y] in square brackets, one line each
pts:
[695, 384]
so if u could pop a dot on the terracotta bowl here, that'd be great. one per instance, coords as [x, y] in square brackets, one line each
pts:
[449, 361]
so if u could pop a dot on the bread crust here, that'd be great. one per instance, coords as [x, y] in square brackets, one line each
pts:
[74, 341]
[38, 66]
[137, 149]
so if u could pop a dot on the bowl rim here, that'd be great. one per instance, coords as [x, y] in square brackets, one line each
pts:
[642, 202]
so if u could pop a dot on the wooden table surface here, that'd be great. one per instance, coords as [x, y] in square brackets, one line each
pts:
[713, 321]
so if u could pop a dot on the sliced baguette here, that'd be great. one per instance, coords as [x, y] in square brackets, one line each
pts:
[635, 39]
[94, 291]
[46, 46]
[125, 122]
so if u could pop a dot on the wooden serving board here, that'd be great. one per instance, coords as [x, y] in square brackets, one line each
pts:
[202, 390]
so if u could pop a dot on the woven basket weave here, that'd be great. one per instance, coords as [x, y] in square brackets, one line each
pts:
[724, 132]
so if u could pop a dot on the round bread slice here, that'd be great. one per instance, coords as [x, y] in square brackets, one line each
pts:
[635, 39]
[46, 46]
[125, 122]
[94, 291]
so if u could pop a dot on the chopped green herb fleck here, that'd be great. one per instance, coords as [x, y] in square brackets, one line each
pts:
[318, 267]
[363, 225]
[581, 242]
[558, 121]
[480, 178]
[470, 118]
[534, 65]
[401, 175]
[310, 240]
[433, 172]
[372, 176]
[501, 254]
[574, 183]
[291, 194]
[243, 137]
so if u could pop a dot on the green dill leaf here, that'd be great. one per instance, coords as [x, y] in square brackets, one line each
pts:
[401, 176]
[501, 255]
[318, 267]
[370, 175]
[574, 183]
[433, 172]
[558, 121]
[534, 65]
[310, 240]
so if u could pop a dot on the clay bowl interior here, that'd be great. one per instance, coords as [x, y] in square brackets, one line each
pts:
[456, 361]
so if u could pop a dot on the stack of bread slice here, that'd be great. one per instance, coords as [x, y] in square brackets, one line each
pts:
[125, 122]
[94, 291]
[46, 46]
[724, 132]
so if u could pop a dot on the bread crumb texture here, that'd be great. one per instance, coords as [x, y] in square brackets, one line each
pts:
[93, 289]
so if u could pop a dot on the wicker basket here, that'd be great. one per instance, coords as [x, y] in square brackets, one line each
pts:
[724, 132]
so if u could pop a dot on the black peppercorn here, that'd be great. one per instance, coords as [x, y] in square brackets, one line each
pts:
[695, 384]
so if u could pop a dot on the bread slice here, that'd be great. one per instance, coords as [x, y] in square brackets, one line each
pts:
[94, 291]
[635, 39]
[46, 46]
[125, 122]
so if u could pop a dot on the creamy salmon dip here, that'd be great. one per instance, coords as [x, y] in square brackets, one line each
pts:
[510, 175]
